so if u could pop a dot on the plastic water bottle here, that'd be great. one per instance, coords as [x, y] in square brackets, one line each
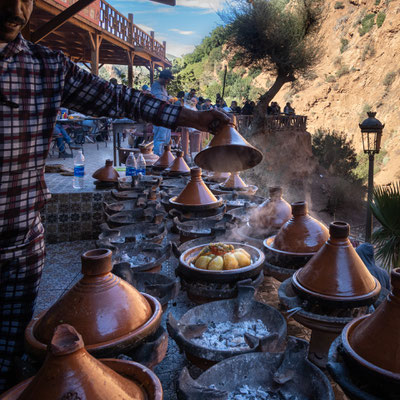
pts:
[141, 165]
[131, 168]
[79, 170]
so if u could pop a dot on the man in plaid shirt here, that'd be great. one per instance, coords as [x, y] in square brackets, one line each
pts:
[34, 83]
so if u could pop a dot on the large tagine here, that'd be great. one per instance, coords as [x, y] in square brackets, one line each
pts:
[108, 312]
[165, 160]
[178, 166]
[372, 342]
[70, 372]
[106, 173]
[196, 194]
[228, 150]
[273, 213]
[336, 274]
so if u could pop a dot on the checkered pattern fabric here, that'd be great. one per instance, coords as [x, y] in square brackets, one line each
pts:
[20, 272]
[34, 83]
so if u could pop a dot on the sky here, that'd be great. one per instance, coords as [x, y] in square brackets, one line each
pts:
[182, 27]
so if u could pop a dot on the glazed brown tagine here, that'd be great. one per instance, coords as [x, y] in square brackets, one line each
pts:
[111, 315]
[295, 243]
[196, 195]
[331, 289]
[228, 150]
[365, 360]
[70, 372]
[165, 160]
[106, 173]
[178, 166]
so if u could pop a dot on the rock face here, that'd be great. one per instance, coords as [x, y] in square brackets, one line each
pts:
[358, 71]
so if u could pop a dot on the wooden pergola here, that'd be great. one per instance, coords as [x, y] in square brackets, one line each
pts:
[94, 33]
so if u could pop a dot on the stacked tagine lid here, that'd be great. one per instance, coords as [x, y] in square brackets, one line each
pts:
[272, 213]
[108, 312]
[336, 275]
[372, 342]
[165, 160]
[196, 194]
[178, 166]
[234, 182]
[70, 372]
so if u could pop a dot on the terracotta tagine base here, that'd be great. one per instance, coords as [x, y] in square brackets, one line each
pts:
[110, 314]
[106, 173]
[70, 372]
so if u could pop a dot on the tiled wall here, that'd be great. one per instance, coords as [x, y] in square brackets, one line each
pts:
[74, 216]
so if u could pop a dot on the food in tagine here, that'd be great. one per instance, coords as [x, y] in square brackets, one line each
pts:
[220, 257]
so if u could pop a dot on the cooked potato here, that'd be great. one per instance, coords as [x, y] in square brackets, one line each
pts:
[230, 261]
[217, 264]
[244, 252]
[202, 262]
[242, 258]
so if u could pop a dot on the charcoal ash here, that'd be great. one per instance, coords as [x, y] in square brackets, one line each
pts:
[138, 259]
[246, 392]
[228, 335]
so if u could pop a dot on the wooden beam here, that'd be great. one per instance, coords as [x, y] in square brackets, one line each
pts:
[95, 42]
[151, 72]
[59, 20]
[131, 57]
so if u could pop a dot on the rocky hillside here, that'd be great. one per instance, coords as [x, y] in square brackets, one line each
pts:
[359, 71]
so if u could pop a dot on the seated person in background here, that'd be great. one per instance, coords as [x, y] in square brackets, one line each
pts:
[145, 89]
[235, 108]
[191, 94]
[181, 98]
[207, 105]
[62, 137]
[269, 109]
[114, 81]
[276, 110]
[200, 103]
[288, 110]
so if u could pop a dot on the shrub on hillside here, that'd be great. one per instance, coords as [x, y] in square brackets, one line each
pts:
[344, 45]
[366, 24]
[380, 19]
[335, 153]
[389, 78]
[338, 5]
[343, 70]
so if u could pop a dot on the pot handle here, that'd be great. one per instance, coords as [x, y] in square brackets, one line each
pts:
[175, 250]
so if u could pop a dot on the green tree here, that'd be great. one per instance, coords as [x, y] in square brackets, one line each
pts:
[274, 37]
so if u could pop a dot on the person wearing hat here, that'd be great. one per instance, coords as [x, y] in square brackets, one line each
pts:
[162, 135]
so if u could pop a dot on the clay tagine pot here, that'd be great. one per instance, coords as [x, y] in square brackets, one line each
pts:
[302, 233]
[165, 160]
[179, 165]
[234, 182]
[336, 273]
[228, 150]
[272, 213]
[70, 372]
[196, 193]
[372, 342]
[106, 173]
[107, 311]
[218, 177]
[148, 155]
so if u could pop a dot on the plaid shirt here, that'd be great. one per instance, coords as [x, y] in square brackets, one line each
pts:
[40, 81]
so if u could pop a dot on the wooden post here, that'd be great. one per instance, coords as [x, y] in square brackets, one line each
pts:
[151, 72]
[165, 48]
[131, 56]
[130, 17]
[95, 42]
[152, 40]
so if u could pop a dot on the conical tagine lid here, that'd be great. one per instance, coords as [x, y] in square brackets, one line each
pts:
[234, 182]
[228, 150]
[196, 192]
[166, 158]
[373, 340]
[336, 272]
[70, 372]
[101, 306]
[273, 212]
[302, 233]
[179, 165]
[106, 173]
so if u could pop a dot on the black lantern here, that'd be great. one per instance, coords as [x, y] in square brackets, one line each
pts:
[371, 132]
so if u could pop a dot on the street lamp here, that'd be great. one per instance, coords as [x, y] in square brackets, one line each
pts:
[371, 132]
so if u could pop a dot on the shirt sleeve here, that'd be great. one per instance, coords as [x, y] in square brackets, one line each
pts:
[91, 95]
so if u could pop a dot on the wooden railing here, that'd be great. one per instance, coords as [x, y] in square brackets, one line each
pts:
[118, 25]
[275, 122]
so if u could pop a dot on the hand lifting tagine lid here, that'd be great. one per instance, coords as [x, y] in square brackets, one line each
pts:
[178, 166]
[165, 160]
[107, 311]
[373, 342]
[106, 173]
[336, 273]
[302, 234]
[70, 372]
[228, 150]
[196, 195]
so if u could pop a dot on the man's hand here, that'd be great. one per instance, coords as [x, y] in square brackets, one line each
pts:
[204, 121]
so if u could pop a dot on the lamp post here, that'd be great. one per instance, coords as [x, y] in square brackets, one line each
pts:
[371, 132]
